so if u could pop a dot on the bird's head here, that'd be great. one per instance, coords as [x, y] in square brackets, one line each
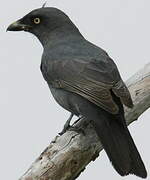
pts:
[41, 22]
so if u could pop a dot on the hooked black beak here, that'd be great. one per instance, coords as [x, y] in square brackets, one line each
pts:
[18, 26]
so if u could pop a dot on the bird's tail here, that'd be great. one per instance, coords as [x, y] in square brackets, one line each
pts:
[118, 143]
[137, 165]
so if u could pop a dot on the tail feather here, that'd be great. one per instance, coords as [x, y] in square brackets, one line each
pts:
[119, 145]
[114, 143]
[138, 167]
[115, 138]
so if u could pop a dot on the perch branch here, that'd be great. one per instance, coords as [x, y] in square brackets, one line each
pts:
[68, 155]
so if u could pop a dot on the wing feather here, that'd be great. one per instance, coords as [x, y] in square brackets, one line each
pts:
[93, 80]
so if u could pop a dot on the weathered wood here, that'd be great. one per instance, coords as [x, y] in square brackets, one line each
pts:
[67, 155]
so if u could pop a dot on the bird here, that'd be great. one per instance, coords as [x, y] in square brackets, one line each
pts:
[85, 81]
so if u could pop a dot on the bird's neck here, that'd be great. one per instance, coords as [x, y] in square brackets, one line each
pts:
[60, 34]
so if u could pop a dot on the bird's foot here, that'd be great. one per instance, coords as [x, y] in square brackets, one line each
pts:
[67, 125]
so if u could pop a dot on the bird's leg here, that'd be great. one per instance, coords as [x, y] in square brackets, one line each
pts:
[67, 124]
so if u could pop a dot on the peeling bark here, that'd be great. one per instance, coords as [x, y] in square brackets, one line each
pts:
[67, 155]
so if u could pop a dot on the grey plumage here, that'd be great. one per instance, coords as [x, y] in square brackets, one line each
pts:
[85, 81]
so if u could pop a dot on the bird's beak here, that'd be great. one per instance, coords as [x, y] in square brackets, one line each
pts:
[18, 26]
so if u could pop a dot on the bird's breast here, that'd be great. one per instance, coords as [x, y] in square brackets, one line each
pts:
[50, 74]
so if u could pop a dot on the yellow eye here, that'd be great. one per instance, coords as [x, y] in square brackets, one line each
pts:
[36, 20]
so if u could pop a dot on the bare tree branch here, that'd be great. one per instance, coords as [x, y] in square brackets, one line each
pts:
[67, 156]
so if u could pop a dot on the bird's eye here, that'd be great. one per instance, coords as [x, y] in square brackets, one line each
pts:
[36, 20]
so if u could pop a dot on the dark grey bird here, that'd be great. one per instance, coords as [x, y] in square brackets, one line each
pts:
[84, 80]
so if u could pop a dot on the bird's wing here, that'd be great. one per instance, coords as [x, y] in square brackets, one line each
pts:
[94, 80]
